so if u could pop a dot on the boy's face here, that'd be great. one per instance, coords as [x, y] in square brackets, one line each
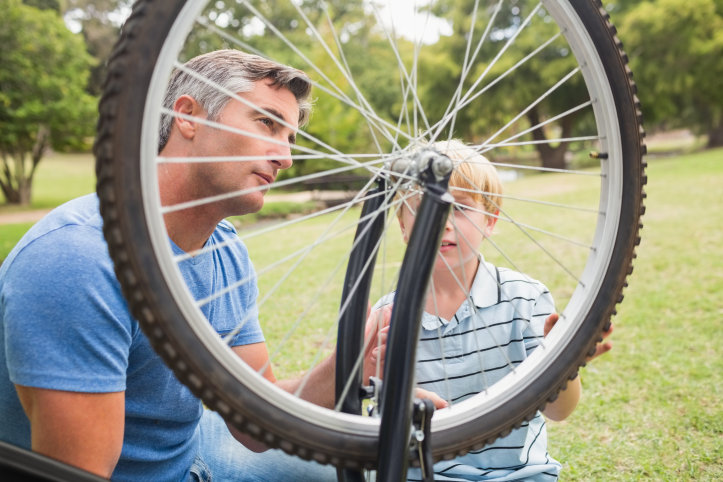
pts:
[466, 227]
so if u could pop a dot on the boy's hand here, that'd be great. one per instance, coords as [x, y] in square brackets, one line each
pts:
[600, 348]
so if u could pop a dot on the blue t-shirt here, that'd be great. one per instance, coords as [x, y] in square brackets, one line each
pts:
[65, 325]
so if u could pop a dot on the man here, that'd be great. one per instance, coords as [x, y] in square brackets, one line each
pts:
[78, 379]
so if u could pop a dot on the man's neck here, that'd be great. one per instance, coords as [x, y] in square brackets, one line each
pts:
[188, 228]
[189, 232]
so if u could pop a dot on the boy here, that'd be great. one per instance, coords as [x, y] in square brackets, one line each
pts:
[479, 322]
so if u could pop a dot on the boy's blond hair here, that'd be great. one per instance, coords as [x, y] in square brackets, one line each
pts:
[473, 175]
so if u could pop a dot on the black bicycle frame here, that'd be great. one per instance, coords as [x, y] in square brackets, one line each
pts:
[398, 385]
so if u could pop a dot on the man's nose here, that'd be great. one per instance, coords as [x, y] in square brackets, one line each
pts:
[281, 158]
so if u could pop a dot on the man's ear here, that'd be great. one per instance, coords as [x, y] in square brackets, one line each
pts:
[405, 236]
[188, 106]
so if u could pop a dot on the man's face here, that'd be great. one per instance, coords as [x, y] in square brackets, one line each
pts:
[264, 138]
[466, 227]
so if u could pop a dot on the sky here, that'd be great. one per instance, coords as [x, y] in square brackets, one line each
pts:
[411, 24]
[399, 13]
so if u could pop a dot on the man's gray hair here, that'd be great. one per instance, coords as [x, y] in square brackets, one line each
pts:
[236, 72]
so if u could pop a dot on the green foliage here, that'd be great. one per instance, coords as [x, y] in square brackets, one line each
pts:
[43, 73]
[676, 48]
[505, 95]
[99, 21]
[44, 4]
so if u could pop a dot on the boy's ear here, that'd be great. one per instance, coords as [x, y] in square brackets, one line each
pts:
[490, 222]
[188, 106]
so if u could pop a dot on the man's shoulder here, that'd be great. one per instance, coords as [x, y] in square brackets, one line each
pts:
[69, 237]
[227, 236]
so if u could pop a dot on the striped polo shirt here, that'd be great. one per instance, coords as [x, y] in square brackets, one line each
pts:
[491, 333]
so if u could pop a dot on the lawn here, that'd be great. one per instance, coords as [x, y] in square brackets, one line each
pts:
[60, 177]
[651, 408]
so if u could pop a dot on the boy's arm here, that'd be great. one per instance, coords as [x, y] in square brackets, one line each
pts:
[567, 399]
[565, 403]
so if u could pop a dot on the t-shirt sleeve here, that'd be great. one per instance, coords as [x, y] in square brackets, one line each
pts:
[249, 328]
[237, 312]
[66, 322]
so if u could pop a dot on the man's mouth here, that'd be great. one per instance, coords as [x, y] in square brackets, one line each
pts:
[266, 177]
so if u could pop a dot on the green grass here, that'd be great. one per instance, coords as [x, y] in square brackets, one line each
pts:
[59, 177]
[9, 236]
[651, 409]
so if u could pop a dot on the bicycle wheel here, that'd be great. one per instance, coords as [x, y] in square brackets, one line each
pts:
[541, 88]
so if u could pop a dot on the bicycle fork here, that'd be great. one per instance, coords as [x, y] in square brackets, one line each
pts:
[431, 171]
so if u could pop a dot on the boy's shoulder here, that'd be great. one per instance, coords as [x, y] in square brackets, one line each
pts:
[508, 283]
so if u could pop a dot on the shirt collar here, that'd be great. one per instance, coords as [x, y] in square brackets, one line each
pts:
[485, 292]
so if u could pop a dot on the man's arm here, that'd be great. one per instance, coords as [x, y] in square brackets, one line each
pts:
[81, 429]
[319, 389]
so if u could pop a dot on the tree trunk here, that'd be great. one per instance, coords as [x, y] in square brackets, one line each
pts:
[17, 184]
[715, 135]
[551, 157]
[25, 190]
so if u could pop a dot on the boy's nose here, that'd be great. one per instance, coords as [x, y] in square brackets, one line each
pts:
[449, 224]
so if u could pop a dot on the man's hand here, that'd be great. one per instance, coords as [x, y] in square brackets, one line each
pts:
[375, 341]
[600, 348]
[438, 401]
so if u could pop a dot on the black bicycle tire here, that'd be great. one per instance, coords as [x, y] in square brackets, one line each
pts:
[597, 321]
[19, 464]
[136, 267]
[130, 247]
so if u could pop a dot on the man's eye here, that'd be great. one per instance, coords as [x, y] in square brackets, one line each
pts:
[267, 122]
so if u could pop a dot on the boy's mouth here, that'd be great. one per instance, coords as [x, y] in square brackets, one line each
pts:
[447, 245]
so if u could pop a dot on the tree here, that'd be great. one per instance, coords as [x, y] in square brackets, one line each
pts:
[43, 73]
[676, 47]
[44, 4]
[100, 22]
[442, 72]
